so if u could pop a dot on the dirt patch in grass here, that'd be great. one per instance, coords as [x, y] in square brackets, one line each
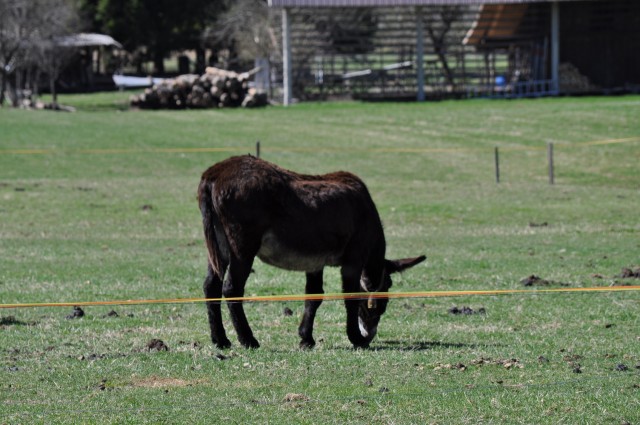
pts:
[573, 361]
[291, 397]
[542, 224]
[506, 363]
[482, 361]
[94, 356]
[160, 382]
[533, 280]
[296, 401]
[157, 345]
[629, 273]
[76, 313]
[458, 366]
[466, 310]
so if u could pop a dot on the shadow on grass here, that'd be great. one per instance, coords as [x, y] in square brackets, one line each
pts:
[395, 345]
[103, 107]
[11, 320]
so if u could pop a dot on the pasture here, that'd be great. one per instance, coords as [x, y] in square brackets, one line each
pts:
[101, 205]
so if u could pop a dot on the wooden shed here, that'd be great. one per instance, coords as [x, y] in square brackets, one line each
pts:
[433, 49]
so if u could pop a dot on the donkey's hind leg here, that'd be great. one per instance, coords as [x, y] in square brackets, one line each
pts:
[314, 286]
[234, 287]
[213, 289]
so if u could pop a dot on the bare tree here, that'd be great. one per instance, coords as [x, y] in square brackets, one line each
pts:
[17, 30]
[246, 29]
[55, 46]
[29, 30]
[52, 58]
[448, 16]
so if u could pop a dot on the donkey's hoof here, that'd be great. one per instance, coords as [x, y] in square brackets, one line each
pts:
[360, 344]
[358, 340]
[307, 345]
[250, 343]
[222, 344]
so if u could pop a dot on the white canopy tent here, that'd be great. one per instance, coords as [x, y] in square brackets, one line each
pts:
[88, 40]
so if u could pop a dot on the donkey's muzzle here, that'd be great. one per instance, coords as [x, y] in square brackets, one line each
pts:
[372, 303]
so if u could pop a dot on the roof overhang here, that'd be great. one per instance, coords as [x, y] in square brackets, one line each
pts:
[87, 40]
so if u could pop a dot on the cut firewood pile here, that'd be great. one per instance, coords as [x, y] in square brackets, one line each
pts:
[572, 81]
[216, 88]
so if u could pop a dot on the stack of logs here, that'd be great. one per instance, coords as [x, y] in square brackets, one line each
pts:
[216, 88]
[572, 81]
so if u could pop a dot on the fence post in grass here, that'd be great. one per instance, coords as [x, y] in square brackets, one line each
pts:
[497, 160]
[258, 149]
[550, 160]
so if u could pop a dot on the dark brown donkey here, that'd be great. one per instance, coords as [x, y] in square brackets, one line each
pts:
[251, 208]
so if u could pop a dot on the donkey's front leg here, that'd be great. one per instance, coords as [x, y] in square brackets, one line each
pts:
[213, 289]
[351, 283]
[234, 287]
[314, 286]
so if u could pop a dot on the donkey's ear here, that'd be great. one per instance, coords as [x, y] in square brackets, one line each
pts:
[394, 266]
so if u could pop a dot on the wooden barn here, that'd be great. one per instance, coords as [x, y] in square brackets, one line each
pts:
[434, 49]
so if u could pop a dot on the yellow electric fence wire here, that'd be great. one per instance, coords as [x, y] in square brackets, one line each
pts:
[333, 296]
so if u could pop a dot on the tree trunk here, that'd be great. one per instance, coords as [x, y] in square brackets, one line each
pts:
[54, 94]
[200, 60]
[438, 47]
[36, 85]
[13, 95]
[3, 87]
[158, 62]
[19, 87]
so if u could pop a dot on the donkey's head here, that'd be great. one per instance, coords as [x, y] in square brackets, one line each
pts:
[372, 308]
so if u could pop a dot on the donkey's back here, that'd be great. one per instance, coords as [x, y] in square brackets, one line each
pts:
[289, 220]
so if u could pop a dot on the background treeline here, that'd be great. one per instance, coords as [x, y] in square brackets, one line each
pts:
[227, 34]
[218, 32]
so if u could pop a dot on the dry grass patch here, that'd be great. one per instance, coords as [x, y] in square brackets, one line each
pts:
[163, 382]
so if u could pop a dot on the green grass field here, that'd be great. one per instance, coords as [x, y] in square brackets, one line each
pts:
[100, 204]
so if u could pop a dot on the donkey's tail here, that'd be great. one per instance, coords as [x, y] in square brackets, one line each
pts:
[214, 234]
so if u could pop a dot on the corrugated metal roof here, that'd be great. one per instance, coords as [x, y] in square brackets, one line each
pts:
[383, 3]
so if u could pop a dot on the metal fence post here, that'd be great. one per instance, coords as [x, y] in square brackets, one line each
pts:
[497, 161]
[550, 159]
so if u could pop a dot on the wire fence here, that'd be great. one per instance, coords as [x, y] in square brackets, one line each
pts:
[329, 297]
[260, 147]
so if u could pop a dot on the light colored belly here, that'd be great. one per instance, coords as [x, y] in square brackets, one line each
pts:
[274, 252]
